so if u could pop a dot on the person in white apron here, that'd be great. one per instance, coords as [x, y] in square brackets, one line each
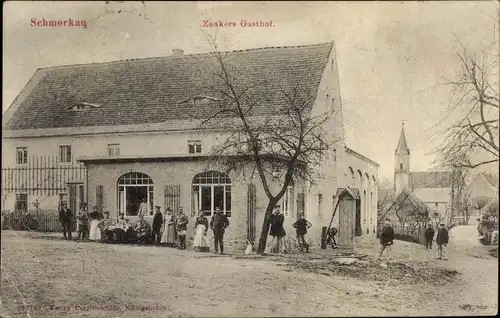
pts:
[200, 240]
[95, 231]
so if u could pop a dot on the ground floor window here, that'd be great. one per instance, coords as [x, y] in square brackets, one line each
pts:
[21, 204]
[135, 188]
[211, 190]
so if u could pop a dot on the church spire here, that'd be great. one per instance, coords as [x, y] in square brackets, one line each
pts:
[402, 148]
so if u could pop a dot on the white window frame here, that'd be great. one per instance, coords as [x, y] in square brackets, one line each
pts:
[113, 149]
[287, 202]
[24, 155]
[63, 156]
[121, 194]
[320, 204]
[196, 144]
[197, 193]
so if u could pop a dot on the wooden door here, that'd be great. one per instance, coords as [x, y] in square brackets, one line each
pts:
[347, 207]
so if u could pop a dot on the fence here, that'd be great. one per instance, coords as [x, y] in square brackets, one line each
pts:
[49, 219]
[415, 234]
[41, 175]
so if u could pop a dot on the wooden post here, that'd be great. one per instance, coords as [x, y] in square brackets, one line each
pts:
[347, 218]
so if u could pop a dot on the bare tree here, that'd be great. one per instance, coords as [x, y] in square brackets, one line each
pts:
[460, 194]
[280, 149]
[410, 212]
[475, 97]
[479, 203]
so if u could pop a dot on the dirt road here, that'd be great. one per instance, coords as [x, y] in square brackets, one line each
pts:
[54, 278]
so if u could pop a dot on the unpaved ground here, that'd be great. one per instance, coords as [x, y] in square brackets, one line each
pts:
[60, 279]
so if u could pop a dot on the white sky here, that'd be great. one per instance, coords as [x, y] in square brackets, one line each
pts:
[390, 55]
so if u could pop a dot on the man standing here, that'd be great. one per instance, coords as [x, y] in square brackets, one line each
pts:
[442, 240]
[181, 226]
[277, 230]
[219, 224]
[157, 223]
[302, 225]
[65, 217]
[386, 237]
[143, 208]
[429, 237]
[82, 221]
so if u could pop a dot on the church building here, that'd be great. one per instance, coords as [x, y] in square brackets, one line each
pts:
[434, 188]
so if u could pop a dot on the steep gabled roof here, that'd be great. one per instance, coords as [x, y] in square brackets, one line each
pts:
[433, 195]
[430, 179]
[144, 91]
[402, 148]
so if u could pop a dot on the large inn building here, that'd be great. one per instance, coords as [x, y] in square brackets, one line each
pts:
[134, 126]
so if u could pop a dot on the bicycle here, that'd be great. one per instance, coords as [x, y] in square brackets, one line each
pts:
[24, 221]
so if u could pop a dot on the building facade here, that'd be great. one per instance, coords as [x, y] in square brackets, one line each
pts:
[136, 127]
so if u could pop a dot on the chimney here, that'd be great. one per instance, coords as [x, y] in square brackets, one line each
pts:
[177, 52]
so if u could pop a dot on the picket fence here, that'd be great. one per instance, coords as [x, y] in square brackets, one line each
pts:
[49, 219]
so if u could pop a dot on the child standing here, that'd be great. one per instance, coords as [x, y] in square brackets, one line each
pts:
[429, 237]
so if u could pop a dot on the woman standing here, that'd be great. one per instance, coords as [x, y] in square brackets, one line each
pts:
[201, 226]
[169, 232]
[95, 231]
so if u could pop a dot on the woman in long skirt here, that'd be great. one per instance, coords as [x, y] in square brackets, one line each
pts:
[95, 231]
[200, 239]
[169, 231]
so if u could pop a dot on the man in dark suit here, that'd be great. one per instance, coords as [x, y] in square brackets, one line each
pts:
[65, 218]
[157, 223]
[442, 239]
[386, 237]
[219, 224]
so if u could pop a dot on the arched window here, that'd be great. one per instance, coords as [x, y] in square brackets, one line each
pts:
[401, 166]
[133, 189]
[211, 190]
[334, 154]
[350, 182]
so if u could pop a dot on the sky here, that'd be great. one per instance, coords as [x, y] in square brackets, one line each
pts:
[390, 55]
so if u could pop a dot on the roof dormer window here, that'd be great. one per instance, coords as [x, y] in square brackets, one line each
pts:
[82, 106]
[199, 100]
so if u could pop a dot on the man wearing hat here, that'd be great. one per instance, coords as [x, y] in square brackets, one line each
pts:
[157, 223]
[442, 240]
[182, 222]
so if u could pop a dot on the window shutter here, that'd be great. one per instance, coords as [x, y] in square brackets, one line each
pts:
[300, 204]
[251, 213]
[173, 197]
[99, 198]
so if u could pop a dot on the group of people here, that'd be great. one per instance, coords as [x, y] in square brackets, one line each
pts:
[278, 233]
[387, 238]
[442, 239]
[170, 231]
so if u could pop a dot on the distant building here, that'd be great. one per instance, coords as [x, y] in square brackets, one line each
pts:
[484, 185]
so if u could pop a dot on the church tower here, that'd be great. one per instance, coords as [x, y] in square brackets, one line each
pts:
[402, 163]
